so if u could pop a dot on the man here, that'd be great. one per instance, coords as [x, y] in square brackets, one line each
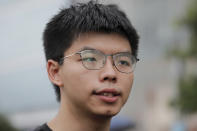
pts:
[91, 52]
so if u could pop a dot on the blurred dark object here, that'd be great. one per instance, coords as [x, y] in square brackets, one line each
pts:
[5, 125]
[120, 123]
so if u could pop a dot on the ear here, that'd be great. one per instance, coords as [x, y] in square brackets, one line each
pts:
[53, 69]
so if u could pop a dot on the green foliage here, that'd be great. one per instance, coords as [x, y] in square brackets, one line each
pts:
[193, 44]
[187, 85]
[177, 53]
[5, 125]
[190, 21]
[187, 100]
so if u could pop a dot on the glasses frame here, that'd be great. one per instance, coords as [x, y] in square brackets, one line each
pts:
[106, 55]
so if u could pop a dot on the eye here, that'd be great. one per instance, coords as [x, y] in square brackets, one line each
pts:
[89, 59]
[124, 63]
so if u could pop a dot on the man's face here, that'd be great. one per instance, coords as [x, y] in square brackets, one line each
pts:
[98, 92]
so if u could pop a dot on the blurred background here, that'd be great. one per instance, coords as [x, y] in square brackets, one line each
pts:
[164, 94]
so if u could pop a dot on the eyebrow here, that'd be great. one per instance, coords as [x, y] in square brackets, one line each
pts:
[86, 48]
[90, 48]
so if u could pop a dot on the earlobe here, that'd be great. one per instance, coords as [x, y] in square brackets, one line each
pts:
[53, 70]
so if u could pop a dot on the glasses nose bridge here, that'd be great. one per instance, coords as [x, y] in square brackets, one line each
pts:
[106, 55]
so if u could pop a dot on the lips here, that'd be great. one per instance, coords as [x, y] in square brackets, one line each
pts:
[107, 95]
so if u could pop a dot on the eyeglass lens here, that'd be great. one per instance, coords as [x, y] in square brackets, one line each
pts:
[94, 60]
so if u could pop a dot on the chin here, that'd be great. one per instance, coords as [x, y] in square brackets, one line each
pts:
[108, 112]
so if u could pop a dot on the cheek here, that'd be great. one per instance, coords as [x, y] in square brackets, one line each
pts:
[77, 78]
[74, 88]
[127, 86]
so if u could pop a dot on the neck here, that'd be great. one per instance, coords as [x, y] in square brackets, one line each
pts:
[76, 120]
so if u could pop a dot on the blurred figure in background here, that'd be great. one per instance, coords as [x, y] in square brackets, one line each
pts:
[91, 52]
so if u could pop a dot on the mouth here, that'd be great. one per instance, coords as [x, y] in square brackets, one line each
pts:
[107, 95]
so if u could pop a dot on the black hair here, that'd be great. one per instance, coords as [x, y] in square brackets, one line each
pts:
[80, 18]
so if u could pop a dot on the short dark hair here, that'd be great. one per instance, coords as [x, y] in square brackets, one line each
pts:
[80, 18]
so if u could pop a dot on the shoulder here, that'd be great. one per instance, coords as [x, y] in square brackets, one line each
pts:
[43, 127]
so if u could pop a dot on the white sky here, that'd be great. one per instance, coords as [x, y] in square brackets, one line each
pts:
[22, 68]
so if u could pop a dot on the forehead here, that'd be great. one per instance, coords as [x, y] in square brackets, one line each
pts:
[107, 43]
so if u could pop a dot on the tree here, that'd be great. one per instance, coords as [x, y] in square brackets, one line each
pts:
[187, 84]
[5, 124]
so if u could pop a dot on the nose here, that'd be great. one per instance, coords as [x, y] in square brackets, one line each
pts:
[108, 72]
